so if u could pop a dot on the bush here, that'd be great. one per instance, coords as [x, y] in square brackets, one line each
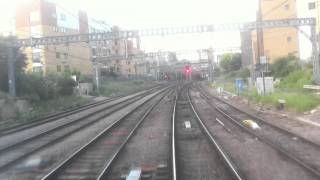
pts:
[231, 62]
[284, 66]
[65, 85]
[296, 79]
[35, 87]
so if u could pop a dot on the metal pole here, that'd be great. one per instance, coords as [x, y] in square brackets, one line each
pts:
[315, 52]
[97, 77]
[11, 71]
[260, 43]
[210, 54]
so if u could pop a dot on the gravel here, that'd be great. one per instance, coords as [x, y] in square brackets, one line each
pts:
[255, 159]
[150, 145]
[61, 150]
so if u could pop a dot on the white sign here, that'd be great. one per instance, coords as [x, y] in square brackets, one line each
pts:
[268, 85]
[263, 60]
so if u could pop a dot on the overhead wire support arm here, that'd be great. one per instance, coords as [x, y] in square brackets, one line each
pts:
[52, 40]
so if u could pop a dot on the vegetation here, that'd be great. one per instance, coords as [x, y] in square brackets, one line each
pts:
[296, 79]
[290, 88]
[231, 62]
[36, 87]
[241, 73]
[19, 62]
[298, 101]
[44, 94]
[114, 88]
[43, 108]
[284, 65]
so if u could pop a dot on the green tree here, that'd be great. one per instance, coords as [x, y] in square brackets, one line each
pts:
[19, 62]
[284, 65]
[231, 62]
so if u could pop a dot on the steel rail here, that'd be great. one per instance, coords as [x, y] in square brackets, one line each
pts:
[259, 119]
[106, 170]
[27, 139]
[231, 166]
[54, 172]
[58, 115]
[173, 140]
[45, 145]
[265, 140]
[57, 139]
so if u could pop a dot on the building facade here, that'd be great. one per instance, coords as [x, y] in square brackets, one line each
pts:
[41, 18]
[307, 9]
[276, 42]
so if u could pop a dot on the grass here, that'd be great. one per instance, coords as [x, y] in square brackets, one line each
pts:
[115, 88]
[228, 86]
[44, 108]
[299, 101]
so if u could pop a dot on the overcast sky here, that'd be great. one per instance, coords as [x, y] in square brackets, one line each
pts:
[137, 14]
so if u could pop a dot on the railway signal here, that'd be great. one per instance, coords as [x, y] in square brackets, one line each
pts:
[187, 70]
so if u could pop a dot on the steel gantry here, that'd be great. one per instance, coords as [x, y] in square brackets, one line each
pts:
[94, 37]
[53, 40]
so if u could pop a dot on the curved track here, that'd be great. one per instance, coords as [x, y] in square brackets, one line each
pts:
[300, 150]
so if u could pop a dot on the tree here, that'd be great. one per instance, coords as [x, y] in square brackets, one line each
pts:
[284, 65]
[231, 62]
[19, 62]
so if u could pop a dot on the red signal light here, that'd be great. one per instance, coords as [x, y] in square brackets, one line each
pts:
[187, 69]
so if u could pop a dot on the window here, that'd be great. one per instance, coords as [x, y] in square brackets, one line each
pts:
[289, 39]
[57, 55]
[35, 16]
[58, 68]
[66, 68]
[118, 69]
[65, 55]
[63, 30]
[36, 57]
[312, 5]
[117, 52]
[63, 17]
[94, 51]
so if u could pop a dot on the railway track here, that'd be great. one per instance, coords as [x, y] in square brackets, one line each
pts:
[15, 151]
[196, 154]
[56, 116]
[94, 159]
[302, 151]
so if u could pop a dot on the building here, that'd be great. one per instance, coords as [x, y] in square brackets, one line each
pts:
[122, 56]
[246, 48]
[307, 9]
[276, 42]
[41, 18]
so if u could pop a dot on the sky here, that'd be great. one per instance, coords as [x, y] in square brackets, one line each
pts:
[139, 14]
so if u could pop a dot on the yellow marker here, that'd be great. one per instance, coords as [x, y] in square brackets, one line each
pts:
[251, 124]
